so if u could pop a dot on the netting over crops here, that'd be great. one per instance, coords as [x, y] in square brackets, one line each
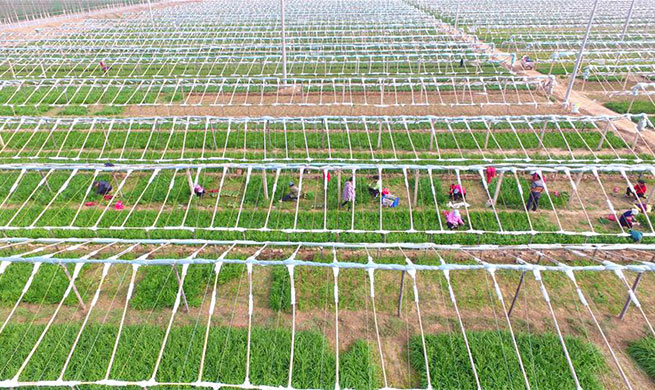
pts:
[550, 32]
[250, 91]
[329, 139]
[29, 10]
[383, 206]
[353, 54]
[83, 329]
[252, 199]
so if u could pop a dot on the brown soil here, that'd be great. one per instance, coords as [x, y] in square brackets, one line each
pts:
[479, 308]
[340, 110]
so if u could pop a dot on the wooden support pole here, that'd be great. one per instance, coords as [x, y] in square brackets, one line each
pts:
[214, 137]
[651, 193]
[432, 136]
[486, 138]
[516, 295]
[179, 284]
[593, 254]
[2, 142]
[603, 136]
[77, 293]
[46, 181]
[636, 140]
[190, 180]
[117, 183]
[400, 294]
[498, 185]
[634, 288]
[542, 135]
[574, 191]
[630, 105]
[265, 183]
[339, 185]
[11, 67]
[323, 133]
[416, 184]
[380, 135]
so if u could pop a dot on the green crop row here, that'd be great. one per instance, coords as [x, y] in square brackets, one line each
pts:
[638, 107]
[497, 365]
[157, 286]
[642, 351]
[160, 206]
[87, 95]
[177, 143]
[305, 69]
[225, 361]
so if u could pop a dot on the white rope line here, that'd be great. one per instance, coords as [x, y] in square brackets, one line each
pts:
[292, 302]
[249, 268]
[412, 274]
[571, 276]
[371, 278]
[130, 291]
[76, 272]
[313, 150]
[499, 295]
[94, 301]
[631, 294]
[453, 299]
[26, 287]
[546, 297]
[335, 293]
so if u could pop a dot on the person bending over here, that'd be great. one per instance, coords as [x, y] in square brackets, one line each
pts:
[102, 187]
[454, 220]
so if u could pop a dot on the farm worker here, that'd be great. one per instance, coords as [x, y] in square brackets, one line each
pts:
[636, 235]
[348, 193]
[294, 193]
[454, 220]
[640, 190]
[375, 190]
[104, 67]
[457, 192]
[389, 200]
[102, 187]
[536, 188]
[199, 190]
[627, 219]
[491, 173]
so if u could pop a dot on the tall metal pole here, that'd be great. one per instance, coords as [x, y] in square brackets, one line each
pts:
[284, 43]
[152, 20]
[627, 20]
[579, 59]
[457, 14]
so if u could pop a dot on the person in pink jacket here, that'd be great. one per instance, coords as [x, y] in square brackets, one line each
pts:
[454, 220]
[348, 193]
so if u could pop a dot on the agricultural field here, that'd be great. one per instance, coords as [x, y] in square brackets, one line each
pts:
[308, 194]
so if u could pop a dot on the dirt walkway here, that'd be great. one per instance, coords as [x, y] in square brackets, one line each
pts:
[587, 105]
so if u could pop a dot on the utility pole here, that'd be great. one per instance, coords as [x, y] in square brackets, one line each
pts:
[284, 43]
[579, 59]
[627, 20]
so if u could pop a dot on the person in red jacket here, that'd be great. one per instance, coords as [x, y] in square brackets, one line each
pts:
[639, 192]
[456, 192]
[491, 173]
